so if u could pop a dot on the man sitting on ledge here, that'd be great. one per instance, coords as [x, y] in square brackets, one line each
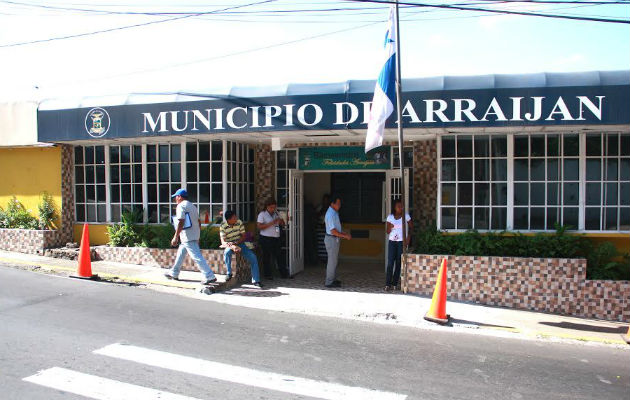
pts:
[233, 241]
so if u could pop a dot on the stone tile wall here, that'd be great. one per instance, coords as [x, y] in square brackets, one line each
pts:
[28, 241]
[425, 182]
[67, 195]
[165, 258]
[548, 285]
[264, 162]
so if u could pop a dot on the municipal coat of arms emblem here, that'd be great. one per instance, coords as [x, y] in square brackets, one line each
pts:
[97, 122]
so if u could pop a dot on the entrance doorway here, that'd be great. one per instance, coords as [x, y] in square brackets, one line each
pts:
[362, 195]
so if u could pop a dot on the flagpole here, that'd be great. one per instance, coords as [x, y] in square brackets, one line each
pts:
[403, 285]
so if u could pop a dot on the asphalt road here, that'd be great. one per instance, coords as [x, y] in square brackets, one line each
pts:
[55, 325]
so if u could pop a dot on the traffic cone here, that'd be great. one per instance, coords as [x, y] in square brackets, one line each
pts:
[437, 312]
[207, 220]
[626, 337]
[84, 270]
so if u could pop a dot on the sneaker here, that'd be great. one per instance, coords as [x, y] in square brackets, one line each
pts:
[257, 284]
[228, 277]
[208, 281]
[335, 284]
[388, 288]
[170, 276]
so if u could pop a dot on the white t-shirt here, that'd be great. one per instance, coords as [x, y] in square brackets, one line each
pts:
[189, 234]
[396, 233]
[264, 218]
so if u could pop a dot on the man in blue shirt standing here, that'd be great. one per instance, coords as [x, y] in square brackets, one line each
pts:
[332, 241]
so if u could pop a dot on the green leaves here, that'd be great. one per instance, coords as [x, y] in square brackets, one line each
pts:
[603, 260]
[17, 217]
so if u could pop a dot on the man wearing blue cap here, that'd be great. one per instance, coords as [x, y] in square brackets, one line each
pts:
[187, 232]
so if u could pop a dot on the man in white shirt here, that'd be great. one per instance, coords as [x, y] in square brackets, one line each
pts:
[187, 232]
[269, 223]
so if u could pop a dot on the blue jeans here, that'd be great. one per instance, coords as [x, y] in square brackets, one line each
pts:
[393, 259]
[195, 252]
[248, 255]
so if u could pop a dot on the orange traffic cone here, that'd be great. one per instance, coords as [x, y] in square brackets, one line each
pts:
[437, 312]
[626, 337]
[84, 271]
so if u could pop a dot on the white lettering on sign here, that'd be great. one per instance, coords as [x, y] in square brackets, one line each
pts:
[339, 113]
[452, 111]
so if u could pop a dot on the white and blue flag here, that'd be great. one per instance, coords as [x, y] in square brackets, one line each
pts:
[383, 103]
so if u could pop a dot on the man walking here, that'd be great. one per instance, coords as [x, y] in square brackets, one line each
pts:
[269, 223]
[232, 235]
[332, 241]
[187, 232]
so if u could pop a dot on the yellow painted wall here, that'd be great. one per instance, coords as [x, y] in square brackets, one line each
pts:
[27, 172]
[98, 233]
[372, 247]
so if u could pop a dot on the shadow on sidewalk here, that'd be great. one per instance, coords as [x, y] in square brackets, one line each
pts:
[248, 292]
[480, 324]
[585, 327]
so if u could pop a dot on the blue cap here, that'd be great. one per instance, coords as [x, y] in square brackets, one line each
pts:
[180, 192]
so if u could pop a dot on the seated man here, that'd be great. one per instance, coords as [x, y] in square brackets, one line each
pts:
[233, 241]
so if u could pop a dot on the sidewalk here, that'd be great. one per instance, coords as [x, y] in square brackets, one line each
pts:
[393, 308]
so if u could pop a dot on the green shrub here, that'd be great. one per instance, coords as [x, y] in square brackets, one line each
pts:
[157, 236]
[47, 212]
[126, 233]
[602, 264]
[209, 238]
[17, 217]
[602, 259]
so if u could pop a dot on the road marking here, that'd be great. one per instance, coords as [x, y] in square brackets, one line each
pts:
[96, 387]
[244, 376]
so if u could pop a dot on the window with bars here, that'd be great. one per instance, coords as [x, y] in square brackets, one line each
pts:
[473, 182]
[546, 181]
[163, 178]
[607, 191]
[204, 177]
[89, 188]
[240, 178]
[407, 163]
[110, 179]
[285, 160]
[125, 177]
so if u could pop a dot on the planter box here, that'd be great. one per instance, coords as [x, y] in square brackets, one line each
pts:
[165, 258]
[555, 285]
[28, 241]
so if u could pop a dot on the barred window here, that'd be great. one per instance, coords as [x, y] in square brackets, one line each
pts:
[473, 182]
[204, 176]
[546, 181]
[89, 188]
[577, 180]
[125, 177]
[607, 205]
[285, 160]
[163, 178]
[407, 163]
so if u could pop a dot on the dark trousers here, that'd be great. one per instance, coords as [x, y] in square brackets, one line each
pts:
[271, 252]
[393, 259]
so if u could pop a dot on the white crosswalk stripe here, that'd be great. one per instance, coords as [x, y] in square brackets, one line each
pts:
[95, 387]
[244, 376]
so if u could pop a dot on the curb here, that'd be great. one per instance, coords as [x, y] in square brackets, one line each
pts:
[101, 274]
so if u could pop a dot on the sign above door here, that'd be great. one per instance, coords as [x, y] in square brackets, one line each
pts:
[350, 158]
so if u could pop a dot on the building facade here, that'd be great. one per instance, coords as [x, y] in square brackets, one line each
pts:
[499, 152]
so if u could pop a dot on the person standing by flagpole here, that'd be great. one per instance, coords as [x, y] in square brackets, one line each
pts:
[387, 97]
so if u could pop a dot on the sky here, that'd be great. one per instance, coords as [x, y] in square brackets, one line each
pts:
[281, 42]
